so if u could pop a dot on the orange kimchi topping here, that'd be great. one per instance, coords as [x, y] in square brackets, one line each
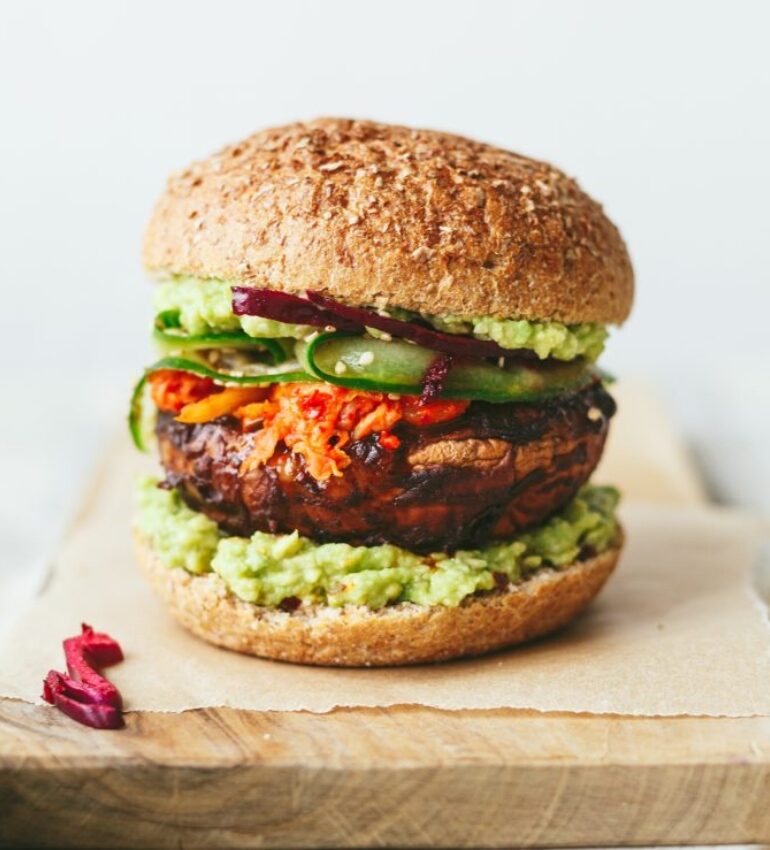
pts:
[319, 420]
[314, 420]
[172, 390]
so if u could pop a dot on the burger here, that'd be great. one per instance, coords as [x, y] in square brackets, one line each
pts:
[376, 403]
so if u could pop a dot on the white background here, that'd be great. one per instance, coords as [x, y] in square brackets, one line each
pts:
[662, 110]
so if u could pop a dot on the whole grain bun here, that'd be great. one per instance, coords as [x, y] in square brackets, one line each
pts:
[398, 634]
[380, 215]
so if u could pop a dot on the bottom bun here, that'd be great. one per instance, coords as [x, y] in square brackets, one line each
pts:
[356, 636]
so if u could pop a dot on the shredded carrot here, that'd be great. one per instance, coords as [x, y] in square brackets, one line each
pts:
[316, 421]
[220, 404]
[389, 441]
[319, 420]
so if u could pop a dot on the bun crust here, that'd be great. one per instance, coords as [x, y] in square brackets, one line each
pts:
[397, 635]
[375, 214]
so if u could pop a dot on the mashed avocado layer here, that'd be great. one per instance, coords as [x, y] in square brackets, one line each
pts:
[205, 305]
[267, 568]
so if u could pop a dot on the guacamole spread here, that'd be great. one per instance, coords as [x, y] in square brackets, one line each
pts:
[205, 305]
[546, 339]
[268, 568]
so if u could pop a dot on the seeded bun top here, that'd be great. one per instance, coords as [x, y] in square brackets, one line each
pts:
[375, 214]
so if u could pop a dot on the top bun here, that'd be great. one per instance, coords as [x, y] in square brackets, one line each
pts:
[374, 214]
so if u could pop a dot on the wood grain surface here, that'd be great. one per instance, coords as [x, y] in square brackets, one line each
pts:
[404, 777]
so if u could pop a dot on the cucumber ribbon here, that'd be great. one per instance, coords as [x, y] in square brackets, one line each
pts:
[357, 362]
[170, 339]
[399, 367]
[257, 374]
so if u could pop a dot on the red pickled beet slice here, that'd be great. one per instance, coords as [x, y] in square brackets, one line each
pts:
[93, 649]
[320, 311]
[462, 346]
[85, 695]
[283, 307]
[74, 701]
[434, 377]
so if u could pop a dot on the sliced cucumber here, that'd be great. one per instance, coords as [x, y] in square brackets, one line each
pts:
[139, 425]
[257, 374]
[250, 374]
[399, 367]
[170, 339]
[370, 364]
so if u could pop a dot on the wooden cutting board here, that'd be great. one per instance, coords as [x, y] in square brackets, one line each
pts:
[397, 777]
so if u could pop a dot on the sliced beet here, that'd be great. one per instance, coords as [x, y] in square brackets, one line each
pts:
[282, 307]
[319, 311]
[85, 695]
[435, 375]
[460, 346]
[77, 702]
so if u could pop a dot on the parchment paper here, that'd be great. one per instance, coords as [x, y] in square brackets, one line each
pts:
[678, 630]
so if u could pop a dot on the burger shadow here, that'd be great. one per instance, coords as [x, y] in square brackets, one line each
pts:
[576, 638]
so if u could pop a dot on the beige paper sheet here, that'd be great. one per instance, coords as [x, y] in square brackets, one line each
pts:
[677, 631]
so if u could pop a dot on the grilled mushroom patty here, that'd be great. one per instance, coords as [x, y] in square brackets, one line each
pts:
[495, 470]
